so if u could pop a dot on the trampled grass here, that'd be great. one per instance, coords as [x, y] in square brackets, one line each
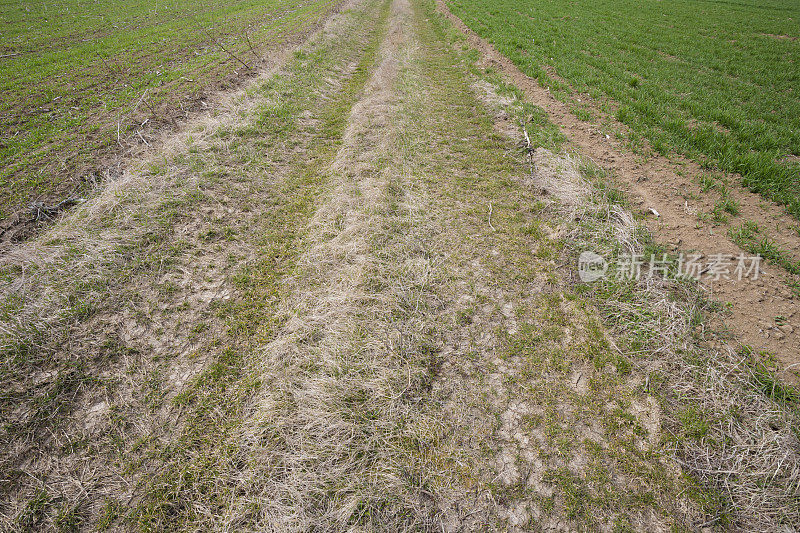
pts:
[73, 72]
[717, 81]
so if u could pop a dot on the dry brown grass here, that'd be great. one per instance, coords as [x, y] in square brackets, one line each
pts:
[738, 442]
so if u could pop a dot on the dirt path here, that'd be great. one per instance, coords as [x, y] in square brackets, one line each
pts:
[344, 307]
[764, 313]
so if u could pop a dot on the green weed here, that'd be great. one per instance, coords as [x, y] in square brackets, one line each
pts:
[748, 237]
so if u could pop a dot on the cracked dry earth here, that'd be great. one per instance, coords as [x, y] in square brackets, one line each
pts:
[340, 306]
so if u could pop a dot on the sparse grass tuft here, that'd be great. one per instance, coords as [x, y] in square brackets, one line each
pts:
[727, 204]
[747, 236]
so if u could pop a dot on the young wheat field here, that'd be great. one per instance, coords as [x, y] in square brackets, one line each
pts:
[345, 288]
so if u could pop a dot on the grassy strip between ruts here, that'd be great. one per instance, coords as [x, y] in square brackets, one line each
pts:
[714, 81]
